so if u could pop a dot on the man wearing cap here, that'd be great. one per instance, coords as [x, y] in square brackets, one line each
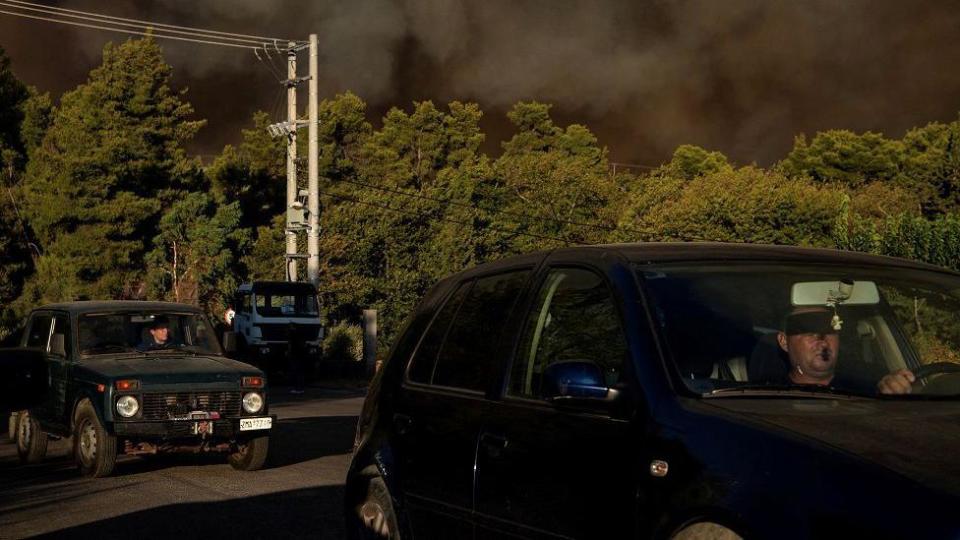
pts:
[810, 339]
[159, 337]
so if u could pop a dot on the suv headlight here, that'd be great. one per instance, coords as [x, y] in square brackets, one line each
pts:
[128, 406]
[252, 402]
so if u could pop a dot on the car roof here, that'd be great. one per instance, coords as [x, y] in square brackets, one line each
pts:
[658, 252]
[663, 252]
[97, 306]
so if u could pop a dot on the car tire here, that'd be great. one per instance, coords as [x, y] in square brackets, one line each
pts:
[376, 519]
[94, 449]
[250, 455]
[12, 425]
[31, 440]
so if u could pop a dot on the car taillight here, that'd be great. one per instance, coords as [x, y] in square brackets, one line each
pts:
[125, 385]
[252, 382]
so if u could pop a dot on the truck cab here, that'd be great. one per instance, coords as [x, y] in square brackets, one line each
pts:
[269, 315]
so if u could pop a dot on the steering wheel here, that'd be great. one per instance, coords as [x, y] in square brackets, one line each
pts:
[942, 385]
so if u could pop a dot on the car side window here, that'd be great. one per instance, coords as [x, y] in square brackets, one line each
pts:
[468, 355]
[39, 334]
[61, 327]
[424, 360]
[574, 317]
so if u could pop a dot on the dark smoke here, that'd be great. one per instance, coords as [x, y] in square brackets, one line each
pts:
[740, 76]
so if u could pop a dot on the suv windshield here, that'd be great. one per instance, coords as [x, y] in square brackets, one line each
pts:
[736, 329]
[108, 333]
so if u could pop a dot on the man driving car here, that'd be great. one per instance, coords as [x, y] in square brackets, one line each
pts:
[158, 335]
[812, 345]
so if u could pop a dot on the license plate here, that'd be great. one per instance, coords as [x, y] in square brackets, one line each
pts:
[250, 424]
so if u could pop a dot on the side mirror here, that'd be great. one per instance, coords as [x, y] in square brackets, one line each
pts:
[577, 382]
[230, 342]
[58, 345]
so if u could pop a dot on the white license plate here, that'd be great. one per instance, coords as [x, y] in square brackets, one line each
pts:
[250, 424]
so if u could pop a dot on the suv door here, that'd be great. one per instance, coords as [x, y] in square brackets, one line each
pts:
[442, 403]
[59, 362]
[547, 470]
[38, 337]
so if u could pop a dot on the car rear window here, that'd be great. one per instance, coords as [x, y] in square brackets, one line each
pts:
[460, 348]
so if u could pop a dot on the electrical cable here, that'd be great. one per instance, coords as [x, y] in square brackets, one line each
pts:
[132, 32]
[213, 33]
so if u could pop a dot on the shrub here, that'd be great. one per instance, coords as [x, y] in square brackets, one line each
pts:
[343, 343]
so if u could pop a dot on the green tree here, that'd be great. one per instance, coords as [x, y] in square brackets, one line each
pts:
[844, 156]
[111, 160]
[193, 252]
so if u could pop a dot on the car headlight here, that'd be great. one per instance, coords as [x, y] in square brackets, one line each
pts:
[128, 406]
[252, 402]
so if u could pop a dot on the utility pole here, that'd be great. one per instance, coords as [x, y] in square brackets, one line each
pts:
[313, 182]
[291, 235]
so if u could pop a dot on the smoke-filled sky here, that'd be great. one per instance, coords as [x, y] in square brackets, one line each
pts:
[740, 76]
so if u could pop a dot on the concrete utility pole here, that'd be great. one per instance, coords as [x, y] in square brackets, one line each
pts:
[291, 235]
[313, 182]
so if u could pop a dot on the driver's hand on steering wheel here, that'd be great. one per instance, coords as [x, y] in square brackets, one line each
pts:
[898, 382]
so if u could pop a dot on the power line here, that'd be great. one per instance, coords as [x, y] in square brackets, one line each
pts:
[87, 15]
[449, 220]
[132, 32]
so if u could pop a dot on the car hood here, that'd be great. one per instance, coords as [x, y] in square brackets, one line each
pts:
[917, 439]
[169, 368]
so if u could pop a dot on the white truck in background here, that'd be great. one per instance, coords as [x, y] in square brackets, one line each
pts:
[271, 314]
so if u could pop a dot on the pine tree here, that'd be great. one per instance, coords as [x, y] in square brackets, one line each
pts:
[111, 160]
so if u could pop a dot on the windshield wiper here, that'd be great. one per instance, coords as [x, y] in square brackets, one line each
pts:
[106, 348]
[785, 390]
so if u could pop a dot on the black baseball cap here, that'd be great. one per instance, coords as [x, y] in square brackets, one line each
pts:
[809, 322]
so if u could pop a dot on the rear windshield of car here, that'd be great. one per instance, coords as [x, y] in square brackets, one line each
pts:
[749, 327]
[148, 332]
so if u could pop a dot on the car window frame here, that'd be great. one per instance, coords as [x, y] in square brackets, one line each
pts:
[543, 273]
[26, 337]
[496, 370]
[68, 338]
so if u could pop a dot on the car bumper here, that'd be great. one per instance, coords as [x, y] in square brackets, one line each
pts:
[184, 429]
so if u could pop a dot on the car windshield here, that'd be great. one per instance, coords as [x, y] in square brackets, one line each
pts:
[147, 332]
[286, 305]
[807, 329]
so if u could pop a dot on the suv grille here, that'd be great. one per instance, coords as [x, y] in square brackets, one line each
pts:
[281, 332]
[175, 405]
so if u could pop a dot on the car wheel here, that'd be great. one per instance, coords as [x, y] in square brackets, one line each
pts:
[31, 440]
[94, 449]
[251, 454]
[706, 530]
[376, 518]
[12, 426]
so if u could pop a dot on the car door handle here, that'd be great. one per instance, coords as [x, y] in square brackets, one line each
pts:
[494, 444]
[402, 423]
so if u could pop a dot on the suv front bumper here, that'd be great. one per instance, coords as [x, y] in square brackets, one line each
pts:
[224, 428]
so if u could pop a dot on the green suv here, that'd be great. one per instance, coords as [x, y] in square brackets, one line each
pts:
[138, 378]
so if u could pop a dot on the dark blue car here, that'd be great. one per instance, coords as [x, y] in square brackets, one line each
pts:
[669, 391]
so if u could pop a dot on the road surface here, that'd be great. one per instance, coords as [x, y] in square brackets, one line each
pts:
[298, 495]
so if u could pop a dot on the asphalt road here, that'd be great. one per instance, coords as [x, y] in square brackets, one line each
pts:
[299, 493]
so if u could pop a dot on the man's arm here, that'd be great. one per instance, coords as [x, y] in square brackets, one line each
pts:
[898, 382]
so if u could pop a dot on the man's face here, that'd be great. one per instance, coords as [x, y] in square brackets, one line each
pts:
[813, 355]
[160, 334]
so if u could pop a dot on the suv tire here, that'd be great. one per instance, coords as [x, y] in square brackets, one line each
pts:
[376, 519]
[12, 425]
[31, 440]
[250, 455]
[94, 449]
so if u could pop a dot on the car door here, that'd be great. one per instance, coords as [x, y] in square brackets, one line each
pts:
[546, 471]
[442, 403]
[38, 337]
[60, 364]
